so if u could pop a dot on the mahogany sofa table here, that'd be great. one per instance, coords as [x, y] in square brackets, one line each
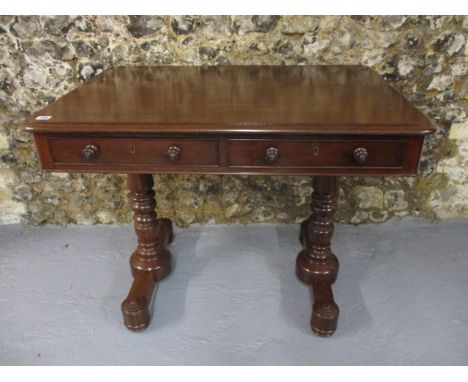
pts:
[325, 121]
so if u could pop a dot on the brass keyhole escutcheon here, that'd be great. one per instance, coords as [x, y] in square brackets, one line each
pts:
[316, 150]
[132, 149]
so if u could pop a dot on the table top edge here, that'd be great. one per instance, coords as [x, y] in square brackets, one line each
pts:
[228, 128]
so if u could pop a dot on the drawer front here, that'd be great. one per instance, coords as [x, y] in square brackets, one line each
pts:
[133, 151]
[286, 153]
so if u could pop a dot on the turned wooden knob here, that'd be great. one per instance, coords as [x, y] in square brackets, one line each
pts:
[272, 154]
[360, 155]
[173, 153]
[90, 152]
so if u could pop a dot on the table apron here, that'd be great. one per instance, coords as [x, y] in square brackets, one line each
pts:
[244, 155]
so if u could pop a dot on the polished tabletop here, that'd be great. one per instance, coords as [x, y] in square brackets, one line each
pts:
[234, 99]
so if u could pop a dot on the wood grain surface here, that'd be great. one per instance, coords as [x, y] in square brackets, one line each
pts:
[234, 99]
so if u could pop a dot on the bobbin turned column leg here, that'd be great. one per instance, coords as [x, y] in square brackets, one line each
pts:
[151, 261]
[316, 265]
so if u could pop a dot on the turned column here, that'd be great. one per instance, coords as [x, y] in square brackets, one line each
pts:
[316, 265]
[151, 261]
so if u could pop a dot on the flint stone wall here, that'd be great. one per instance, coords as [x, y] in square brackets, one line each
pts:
[45, 57]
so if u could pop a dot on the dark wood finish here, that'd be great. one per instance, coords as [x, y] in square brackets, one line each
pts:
[130, 151]
[314, 153]
[325, 121]
[151, 261]
[316, 265]
[235, 99]
[386, 155]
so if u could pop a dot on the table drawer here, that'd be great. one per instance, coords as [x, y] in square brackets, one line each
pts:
[288, 153]
[133, 151]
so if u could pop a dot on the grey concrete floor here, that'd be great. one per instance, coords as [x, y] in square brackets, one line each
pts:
[233, 297]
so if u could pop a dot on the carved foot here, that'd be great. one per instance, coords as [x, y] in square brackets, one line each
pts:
[135, 308]
[324, 312]
[151, 261]
[320, 276]
[316, 265]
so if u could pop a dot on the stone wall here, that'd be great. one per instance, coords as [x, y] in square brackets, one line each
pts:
[43, 58]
